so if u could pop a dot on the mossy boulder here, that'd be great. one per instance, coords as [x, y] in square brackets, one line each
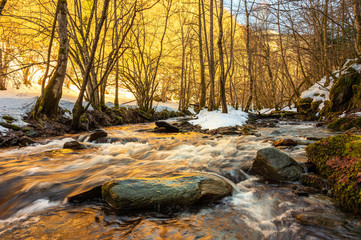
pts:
[274, 165]
[339, 160]
[345, 93]
[154, 193]
[345, 123]
[308, 109]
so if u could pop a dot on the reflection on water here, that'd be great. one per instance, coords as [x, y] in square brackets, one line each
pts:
[35, 181]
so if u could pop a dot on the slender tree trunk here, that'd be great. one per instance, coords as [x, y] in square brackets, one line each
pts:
[2, 6]
[2, 72]
[47, 104]
[183, 74]
[49, 49]
[203, 92]
[222, 77]
[116, 99]
[78, 107]
[211, 103]
[357, 10]
[249, 57]
[325, 34]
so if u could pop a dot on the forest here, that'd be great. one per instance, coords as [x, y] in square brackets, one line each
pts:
[246, 54]
[180, 119]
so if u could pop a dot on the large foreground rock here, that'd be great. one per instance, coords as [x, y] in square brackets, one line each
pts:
[184, 190]
[274, 165]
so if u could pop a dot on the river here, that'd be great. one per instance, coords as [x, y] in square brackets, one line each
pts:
[35, 182]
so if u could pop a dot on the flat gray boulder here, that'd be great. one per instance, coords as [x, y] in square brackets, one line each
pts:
[184, 190]
[274, 165]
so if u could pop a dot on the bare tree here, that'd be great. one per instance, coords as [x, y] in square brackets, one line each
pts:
[357, 10]
[203, 86]
[222, 76]
[78, 109]
[211, 67]
[47, 104]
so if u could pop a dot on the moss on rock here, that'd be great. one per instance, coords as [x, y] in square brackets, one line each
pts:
[308, 109]
[339, 160]
[343, 94]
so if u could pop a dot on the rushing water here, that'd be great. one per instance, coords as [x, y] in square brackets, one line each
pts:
[36, 180]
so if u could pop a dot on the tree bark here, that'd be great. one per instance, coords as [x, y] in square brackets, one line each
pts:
[2, 6]
[249, 57]
[47, 104]
[116, 99]
[357, 10]
[2, 74]
[211, 103]
[49, 49]
[222, 77]
[203, 92]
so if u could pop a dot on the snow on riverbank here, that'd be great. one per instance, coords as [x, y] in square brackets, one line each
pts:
[18, 102]
[320, 91]
[217, 119]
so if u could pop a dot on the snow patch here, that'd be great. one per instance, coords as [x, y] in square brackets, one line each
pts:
[320, 92]
[216, 119]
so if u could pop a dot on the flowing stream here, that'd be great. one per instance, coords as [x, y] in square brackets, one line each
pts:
[35, 182]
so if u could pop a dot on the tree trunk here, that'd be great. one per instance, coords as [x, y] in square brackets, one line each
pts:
[357, 10]
[2, 5]
[222, 77]
[47, 104]
[116, 99]
[2, 72]
[211, 103]
[249, 57]
[78, 107]
[203, 92]
[49, 48]
[325, 50]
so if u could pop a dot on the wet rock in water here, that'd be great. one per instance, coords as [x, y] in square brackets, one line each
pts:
[9, 141]
[235, 175]
[130, 139]
[320, 219]
[305, 191]
[184, 190]
[285, 142]
[97, 134]
[92, 194]
[314, 138]
[230, 132]
[166, 127]
[275, 132]
[314, 181]
[25, 141]
[75, 145]
[304, 142]
[274, 165]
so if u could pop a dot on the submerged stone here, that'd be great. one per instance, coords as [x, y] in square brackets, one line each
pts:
[166, 127]
[97, 134]
[274, 165]
[285, 142]
[75, 145]
[184, 190]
